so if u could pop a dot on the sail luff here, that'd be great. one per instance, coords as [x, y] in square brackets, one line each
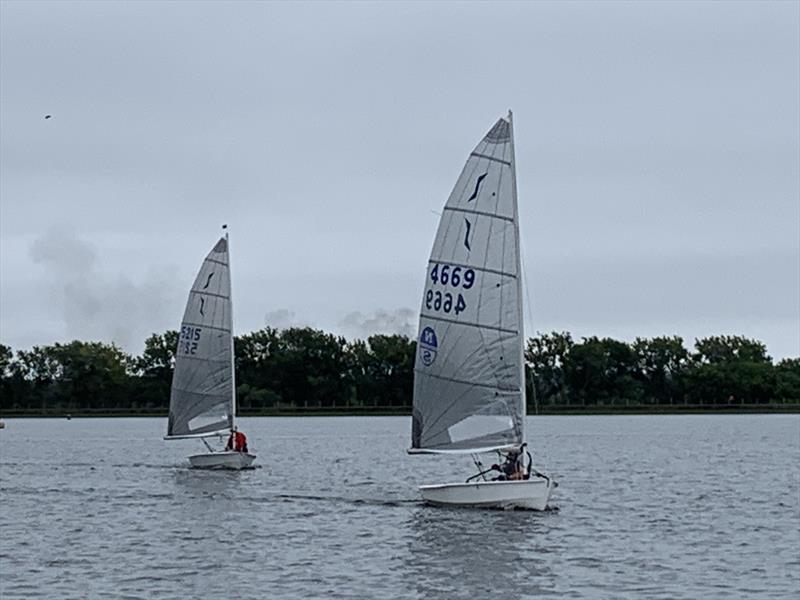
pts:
[521, 330]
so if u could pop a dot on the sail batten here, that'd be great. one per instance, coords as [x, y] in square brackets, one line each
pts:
[500, 160]
[479, 212]
[467, 324]
[500, 390]
[468, 385]
[477, 268]
[201, 400]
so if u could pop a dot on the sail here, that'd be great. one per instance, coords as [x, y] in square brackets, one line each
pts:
[468, 376]
[202, 386]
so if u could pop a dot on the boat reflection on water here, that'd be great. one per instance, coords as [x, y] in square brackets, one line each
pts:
[463, 553]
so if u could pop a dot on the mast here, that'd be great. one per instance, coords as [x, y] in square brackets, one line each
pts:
[523, 391]
[233, 357]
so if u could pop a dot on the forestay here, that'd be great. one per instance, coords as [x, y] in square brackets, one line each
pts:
[202, 386]
[468, 376]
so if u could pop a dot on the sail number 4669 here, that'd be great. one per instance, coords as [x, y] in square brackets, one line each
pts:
[454, 276]
[444, 302]
[448, 275]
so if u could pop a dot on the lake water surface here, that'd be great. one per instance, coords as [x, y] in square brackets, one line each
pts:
[648, 507]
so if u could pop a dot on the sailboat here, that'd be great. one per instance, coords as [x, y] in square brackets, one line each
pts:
[469, 374]
[203, 398]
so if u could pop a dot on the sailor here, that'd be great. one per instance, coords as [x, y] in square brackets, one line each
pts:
[512, 469]
[237, 441]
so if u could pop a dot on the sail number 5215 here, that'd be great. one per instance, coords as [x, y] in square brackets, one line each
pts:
[453, 276]
[187, 343]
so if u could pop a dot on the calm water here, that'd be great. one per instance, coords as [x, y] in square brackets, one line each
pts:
[649, 507]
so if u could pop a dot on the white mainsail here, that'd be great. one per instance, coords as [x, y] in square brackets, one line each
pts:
[469, 385]
[202, 398]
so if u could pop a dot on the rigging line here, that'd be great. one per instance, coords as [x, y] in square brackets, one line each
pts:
[525, 282]
[529, 307]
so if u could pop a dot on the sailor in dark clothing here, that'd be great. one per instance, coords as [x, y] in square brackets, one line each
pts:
[512, 469]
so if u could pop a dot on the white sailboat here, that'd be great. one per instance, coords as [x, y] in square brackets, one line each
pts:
[469, 374]
[203, 398]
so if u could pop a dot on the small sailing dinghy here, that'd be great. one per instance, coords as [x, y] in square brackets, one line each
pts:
[203, 399]
[469, 374]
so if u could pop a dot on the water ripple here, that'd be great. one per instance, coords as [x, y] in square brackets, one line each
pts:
[648, 507]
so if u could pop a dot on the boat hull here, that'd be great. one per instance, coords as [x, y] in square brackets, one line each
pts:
[222, 460]
[529, 494]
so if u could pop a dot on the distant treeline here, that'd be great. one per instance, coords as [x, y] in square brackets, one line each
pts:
[307, 369]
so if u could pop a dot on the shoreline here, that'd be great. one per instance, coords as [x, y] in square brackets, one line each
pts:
[404, 412]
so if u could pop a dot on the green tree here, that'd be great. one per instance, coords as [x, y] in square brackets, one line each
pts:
[258, 368]
[545, 355]
[727, 349]
[91, 374]
[383, 370]
[661, 364]
[41, 371]
[730, 370]
[787, 373]
[14, 389]
[154, 370]
[302, 366]
[602, 371]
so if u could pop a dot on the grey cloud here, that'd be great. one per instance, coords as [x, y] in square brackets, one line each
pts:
[326, 133]
[643, 289]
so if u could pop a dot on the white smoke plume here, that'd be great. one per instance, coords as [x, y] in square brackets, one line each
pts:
[357, 325]
[283, 318]
[97, 306]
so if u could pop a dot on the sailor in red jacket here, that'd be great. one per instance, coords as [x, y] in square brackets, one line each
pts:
[237, 441]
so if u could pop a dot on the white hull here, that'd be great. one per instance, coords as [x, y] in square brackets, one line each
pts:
[531, 494]
[222, 460]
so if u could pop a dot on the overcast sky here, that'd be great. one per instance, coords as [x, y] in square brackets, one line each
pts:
[657, 159]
